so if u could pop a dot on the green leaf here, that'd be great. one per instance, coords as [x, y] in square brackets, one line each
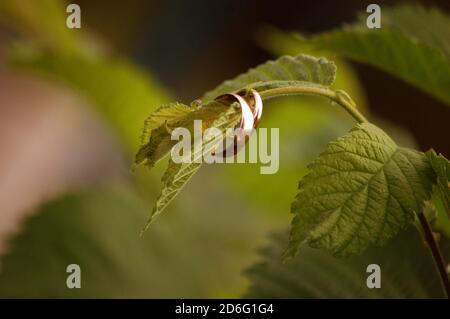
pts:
[156, 126]
[361, 190]
[441, 191]
[96, 229]
[407, 271]
[286, 69]
[442, 222]
[403, 47]
[407, 19]
[441, 167]
[165, 113]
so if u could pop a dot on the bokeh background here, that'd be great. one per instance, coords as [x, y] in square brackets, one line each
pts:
[69, 127]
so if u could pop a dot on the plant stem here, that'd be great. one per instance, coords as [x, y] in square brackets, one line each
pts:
[436, 253]
[335, 96]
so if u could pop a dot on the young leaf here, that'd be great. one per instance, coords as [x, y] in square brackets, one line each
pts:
[280, 43]
[362, 190]
[159, 142]
[178, 174]
[306, 125]
[156, 126]
[407, 271]
[403, 47]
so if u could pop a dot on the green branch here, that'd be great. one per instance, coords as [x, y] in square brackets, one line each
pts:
[339, 97]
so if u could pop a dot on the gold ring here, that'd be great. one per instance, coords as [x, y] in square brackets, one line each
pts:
[249, 118]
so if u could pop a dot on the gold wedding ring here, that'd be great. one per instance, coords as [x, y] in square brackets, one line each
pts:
[250, 117]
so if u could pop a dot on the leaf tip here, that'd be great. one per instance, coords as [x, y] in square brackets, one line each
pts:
[147, 225]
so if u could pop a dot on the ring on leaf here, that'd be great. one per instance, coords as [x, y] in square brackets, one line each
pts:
[250, 118]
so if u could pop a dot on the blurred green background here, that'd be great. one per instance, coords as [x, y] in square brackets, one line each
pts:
[72, 106]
